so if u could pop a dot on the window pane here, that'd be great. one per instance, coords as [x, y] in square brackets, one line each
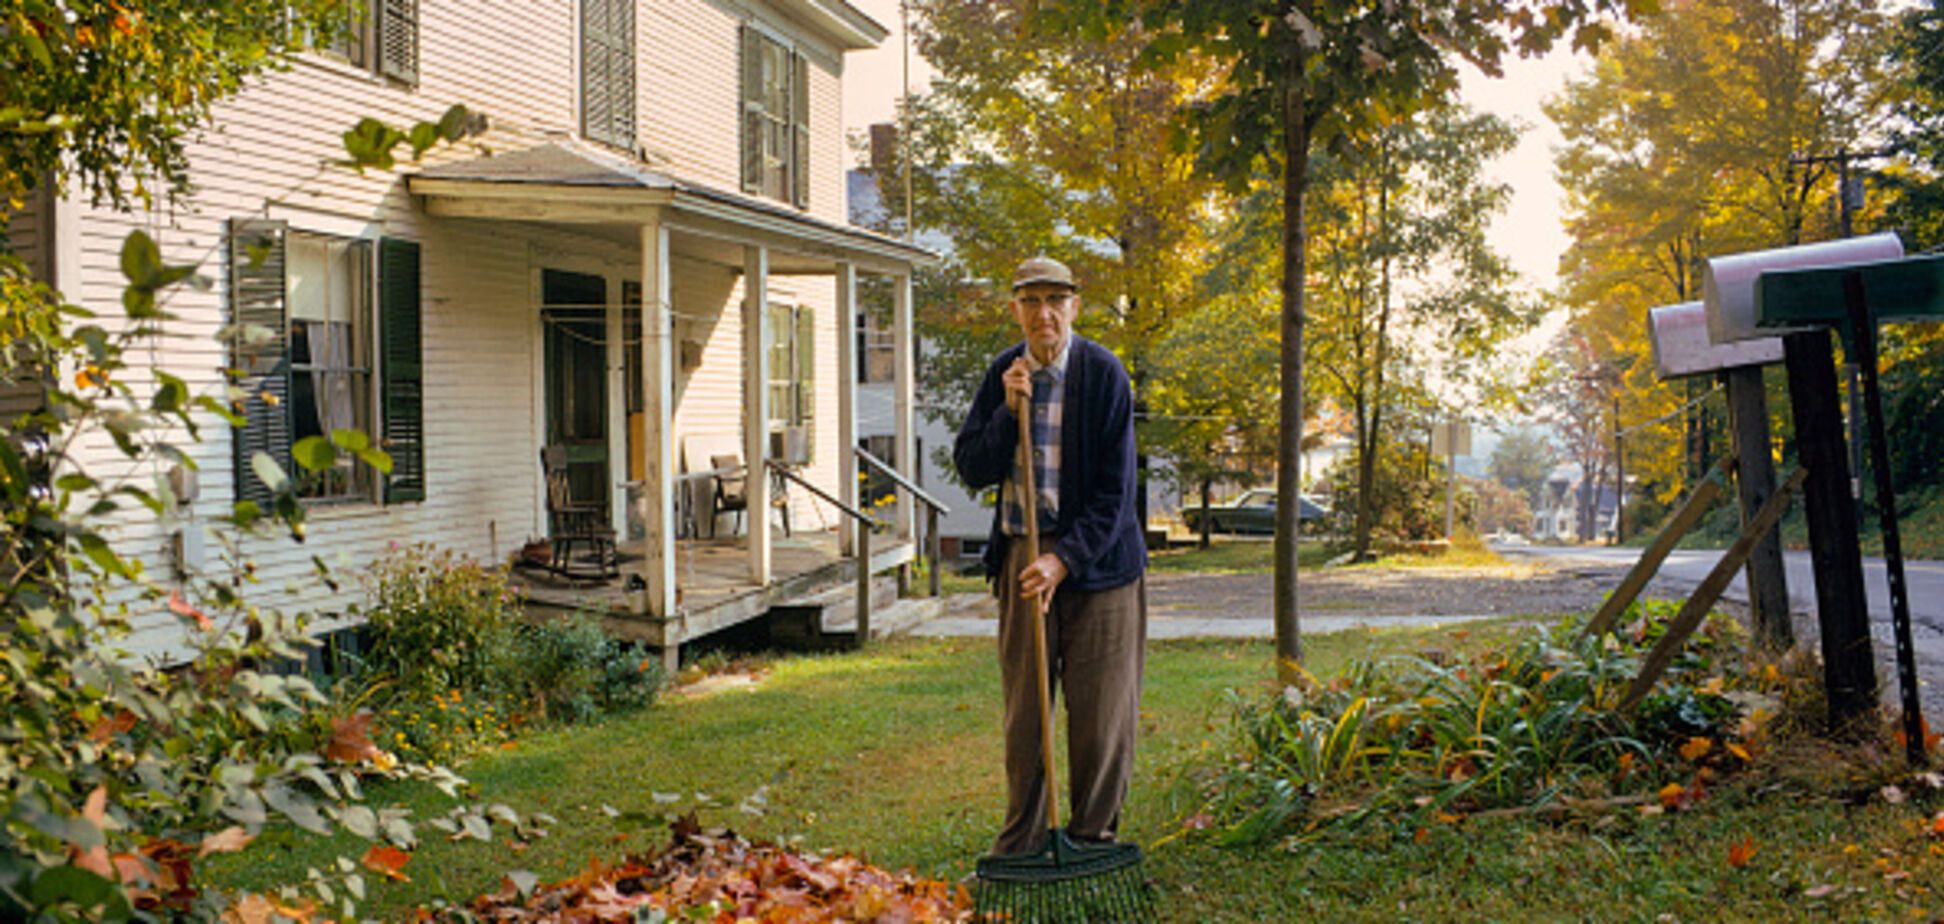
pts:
[329, 296]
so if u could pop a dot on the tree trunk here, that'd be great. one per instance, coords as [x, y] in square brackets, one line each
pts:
[1289, 458]
[1207, 487]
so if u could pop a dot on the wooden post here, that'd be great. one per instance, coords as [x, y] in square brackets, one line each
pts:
[1768, 581]
[847, 360]
[863, 583]
[1650, 560]
[1863, 343]
[756, 412]
[658, 486]
[1842, 606]
[1689, 618]
[932, 547]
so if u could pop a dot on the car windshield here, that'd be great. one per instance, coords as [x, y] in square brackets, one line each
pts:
[1260, 497]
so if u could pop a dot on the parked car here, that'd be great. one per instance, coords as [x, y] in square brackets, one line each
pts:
[1254, 512]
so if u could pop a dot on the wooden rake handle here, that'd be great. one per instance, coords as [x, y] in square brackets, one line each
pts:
[1029, 508]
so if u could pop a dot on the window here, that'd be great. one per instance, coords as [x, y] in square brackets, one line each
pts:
[380, 36]
[319, 349]
[607, 72]
[792, 397]
[327, 293]
[776, 119]
[876, 350]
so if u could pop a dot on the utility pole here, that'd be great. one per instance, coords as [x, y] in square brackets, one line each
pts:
[1619, 471]
[1849, 198]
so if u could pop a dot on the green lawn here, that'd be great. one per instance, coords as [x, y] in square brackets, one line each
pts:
[894, 753]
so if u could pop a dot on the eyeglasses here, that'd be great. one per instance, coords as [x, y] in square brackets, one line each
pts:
[1055, 301]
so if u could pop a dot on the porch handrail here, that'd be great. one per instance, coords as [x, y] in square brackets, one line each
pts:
[863, 544]
[784, 470]
[902, 481]
[934, 509]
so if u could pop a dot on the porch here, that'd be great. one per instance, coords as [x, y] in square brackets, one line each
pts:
[680, 332]
[714, 590]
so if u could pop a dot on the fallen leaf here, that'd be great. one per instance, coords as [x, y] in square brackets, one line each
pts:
[351, 739]
[1818, 891]
[1739, 854]
[228, 840]
[1670, 795]
[1892, 795]
[1696, 748]
[387, 862]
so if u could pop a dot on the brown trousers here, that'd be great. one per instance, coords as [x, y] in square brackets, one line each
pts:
[1096, 650]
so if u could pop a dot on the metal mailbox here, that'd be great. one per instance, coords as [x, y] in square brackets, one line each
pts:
[1682, 348]
[1728, 283]
[1894, 290]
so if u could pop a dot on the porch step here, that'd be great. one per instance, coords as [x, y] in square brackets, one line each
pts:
[896, 619]
[801, 620]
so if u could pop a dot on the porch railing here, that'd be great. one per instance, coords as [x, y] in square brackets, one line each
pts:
[864, 526]
[933, 508]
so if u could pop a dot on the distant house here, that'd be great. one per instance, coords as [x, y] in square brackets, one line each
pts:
[1557, 516]
[645, 266]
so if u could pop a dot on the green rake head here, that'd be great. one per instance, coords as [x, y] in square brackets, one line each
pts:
[1066, 882]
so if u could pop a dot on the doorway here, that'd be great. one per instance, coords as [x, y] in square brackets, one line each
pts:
[573, 315]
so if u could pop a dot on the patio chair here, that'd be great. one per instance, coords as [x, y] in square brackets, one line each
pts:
[731, 491]
[575, 525]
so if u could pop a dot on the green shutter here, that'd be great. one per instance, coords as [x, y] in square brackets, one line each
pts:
[398, 40]
[806, 376]
[256, 279]
[800, 129]
[752, 110]
[607, 72]
[402, 364]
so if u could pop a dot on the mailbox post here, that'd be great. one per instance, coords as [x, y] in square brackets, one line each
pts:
[1682, 349]
[1854, 299]
[1842, 606]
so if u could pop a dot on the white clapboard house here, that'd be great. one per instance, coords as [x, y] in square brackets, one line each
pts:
[640, 273]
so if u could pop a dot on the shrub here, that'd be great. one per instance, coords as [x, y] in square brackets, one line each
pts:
[1521, 725]
[440, 622]
[575, 672]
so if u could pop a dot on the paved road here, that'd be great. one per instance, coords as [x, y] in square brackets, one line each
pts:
[1686, 568]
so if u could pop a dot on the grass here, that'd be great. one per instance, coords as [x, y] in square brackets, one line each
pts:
[1234, 556]
[894, 753]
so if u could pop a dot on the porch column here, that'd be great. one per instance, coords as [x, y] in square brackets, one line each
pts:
[905, 343]
[617, 412]
[846, 402]
[657, 495]
[756, 415]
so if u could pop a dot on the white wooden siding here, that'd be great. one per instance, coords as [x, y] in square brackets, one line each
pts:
[267, 154]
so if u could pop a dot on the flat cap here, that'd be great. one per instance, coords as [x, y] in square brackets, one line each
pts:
[1043, 271]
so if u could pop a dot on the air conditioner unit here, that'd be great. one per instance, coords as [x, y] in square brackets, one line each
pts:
[790, 445]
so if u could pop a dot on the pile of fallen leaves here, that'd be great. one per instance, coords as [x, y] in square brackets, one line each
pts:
[714, 875]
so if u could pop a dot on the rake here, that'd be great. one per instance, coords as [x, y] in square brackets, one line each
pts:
[1067, 881]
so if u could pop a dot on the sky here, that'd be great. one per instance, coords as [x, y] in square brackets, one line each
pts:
[1528, 233]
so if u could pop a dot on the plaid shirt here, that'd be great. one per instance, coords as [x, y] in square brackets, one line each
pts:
[1048, 399]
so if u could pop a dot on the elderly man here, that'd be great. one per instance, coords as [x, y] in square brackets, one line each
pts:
[1089, 572]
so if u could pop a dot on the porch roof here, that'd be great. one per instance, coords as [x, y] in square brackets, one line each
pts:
[569, 182]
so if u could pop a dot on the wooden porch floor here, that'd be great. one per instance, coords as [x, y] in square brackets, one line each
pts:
[712, 586]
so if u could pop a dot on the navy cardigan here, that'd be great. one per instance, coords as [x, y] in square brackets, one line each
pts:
[1100, 539]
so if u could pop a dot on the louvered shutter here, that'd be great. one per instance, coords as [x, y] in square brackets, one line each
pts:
[398, 40]
[752, 111]
[607, 71]
[256, 255]
[806, 377]
[402, 366]
[800, 129]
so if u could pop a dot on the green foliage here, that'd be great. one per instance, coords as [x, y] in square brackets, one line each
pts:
[440, 622]
[110, 92]
[1399, 739]
[1917, 47]
[574, 671]
[456, 668]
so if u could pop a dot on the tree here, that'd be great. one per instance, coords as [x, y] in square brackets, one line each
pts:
[117, 777]
[1655, 183]
[1303, 75]
[1033, 142]
[1402, 274]
[1917, 51]
[1522, 460]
